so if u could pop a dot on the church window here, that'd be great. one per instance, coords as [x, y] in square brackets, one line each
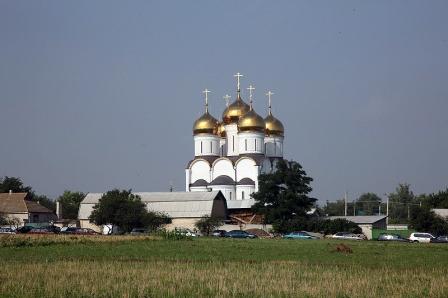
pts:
[242, 195]
[265, 147]
[233, 143]
[245, 141]
[230, 195]
[255, 144]
[211, 147]
[201, 146]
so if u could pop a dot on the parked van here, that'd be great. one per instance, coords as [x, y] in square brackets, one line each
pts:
[421, 237]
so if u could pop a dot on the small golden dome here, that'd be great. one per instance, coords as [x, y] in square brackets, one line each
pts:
[274, 126]
[251, 121]
[221, 130]
[235, 110]
[205, 124]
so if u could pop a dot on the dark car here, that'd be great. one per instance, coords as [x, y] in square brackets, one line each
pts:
[69, 230]
[139, 231]
[85, 231]
[40, 231]
[392, 237]
[239, 234]
[24, 229]
[219, 233]
[440, 239]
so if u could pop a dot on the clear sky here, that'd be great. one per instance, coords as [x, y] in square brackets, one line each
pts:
[102, 94]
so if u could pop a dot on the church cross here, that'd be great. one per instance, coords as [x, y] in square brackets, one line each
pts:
[251, 88]
[238, 76]
[206, 91]
[226, 98]
[269, 96]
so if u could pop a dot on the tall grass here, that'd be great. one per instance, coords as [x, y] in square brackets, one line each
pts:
[223, 267]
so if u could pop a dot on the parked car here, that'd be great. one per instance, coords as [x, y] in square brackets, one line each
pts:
[68, 230]
[85, 231]
[40, 231]
[186, 232]
[299, 235]
[239, 234]
[439, 239]
[219, 233]
[7, 231]
[392, 237]
[24, 229]
[139, 231]
[347, 236]
[421, 237]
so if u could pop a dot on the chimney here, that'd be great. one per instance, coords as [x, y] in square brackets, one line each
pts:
[58, 210]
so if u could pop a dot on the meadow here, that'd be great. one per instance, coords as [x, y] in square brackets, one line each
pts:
[103, 266]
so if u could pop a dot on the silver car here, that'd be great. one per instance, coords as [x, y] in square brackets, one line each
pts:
[347, 236]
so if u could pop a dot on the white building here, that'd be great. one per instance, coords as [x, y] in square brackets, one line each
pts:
[184, 208]
[231, 153]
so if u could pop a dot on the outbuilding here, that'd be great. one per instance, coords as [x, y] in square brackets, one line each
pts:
[367, 223]
[184, 208]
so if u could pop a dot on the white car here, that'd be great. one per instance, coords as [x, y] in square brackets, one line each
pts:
[421, 237]
[347, 236]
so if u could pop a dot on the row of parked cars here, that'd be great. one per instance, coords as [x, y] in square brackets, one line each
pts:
[414, 237]
[48, 230]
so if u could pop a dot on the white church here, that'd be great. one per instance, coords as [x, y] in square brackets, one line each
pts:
[232, 152]
[229, 156]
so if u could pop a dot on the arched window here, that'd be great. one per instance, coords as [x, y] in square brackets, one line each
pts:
[230, 195]
[233, 143]
[242, 195]
[201, 146]
[245, 143]
[255, 144]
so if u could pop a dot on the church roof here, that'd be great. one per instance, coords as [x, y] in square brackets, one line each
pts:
[246, 181]
[175, 204]
[198, 183]
[222, 180]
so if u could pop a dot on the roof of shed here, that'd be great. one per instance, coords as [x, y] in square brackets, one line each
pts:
[361, 219]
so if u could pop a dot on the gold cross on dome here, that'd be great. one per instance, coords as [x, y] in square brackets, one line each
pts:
[269, 98]
[206, 91]
[226, 98]
[251, 88]
[238, 76]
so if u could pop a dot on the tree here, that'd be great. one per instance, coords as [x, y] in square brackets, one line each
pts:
[70, 202]
[400, 203]
[207, 224]
[125, 210]
[424, 219]
[283, 194]
[15, 184]
[3, 219]
[436, 200]
[368, 204]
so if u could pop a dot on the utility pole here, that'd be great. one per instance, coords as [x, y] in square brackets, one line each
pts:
[345, 204]
[387, 210]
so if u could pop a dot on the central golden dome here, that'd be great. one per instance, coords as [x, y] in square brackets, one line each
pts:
[235, 110]
[251, 121]
[274, 126]
[205, 124]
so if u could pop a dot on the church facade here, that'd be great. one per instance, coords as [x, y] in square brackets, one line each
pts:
[230, 153]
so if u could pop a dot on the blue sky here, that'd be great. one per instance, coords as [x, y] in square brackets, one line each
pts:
[102, 94]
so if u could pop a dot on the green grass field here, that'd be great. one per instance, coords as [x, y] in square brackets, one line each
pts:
[58, 266]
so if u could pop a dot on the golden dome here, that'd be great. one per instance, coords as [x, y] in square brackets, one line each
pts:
[221, 130]
[205, 124]
[251, 121]
[235, 110]
[273, 126]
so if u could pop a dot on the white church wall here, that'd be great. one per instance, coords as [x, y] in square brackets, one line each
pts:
[246, 167]
[200, 169]
[228, 191]
[251, 142]
[274, 146]
[223, 166]
[266, 166]
[232, 139]
[244, 191]
[206, 144]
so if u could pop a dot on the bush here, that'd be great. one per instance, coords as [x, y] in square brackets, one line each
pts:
[324, 226]
[207, 224]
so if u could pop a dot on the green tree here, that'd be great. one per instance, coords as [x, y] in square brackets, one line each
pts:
[125, 210]
[425, 220]
[70, 202]
[368, 204]
[283, 194]
[436, 200]
[400, 203]
[16, 185]
[207, 224]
